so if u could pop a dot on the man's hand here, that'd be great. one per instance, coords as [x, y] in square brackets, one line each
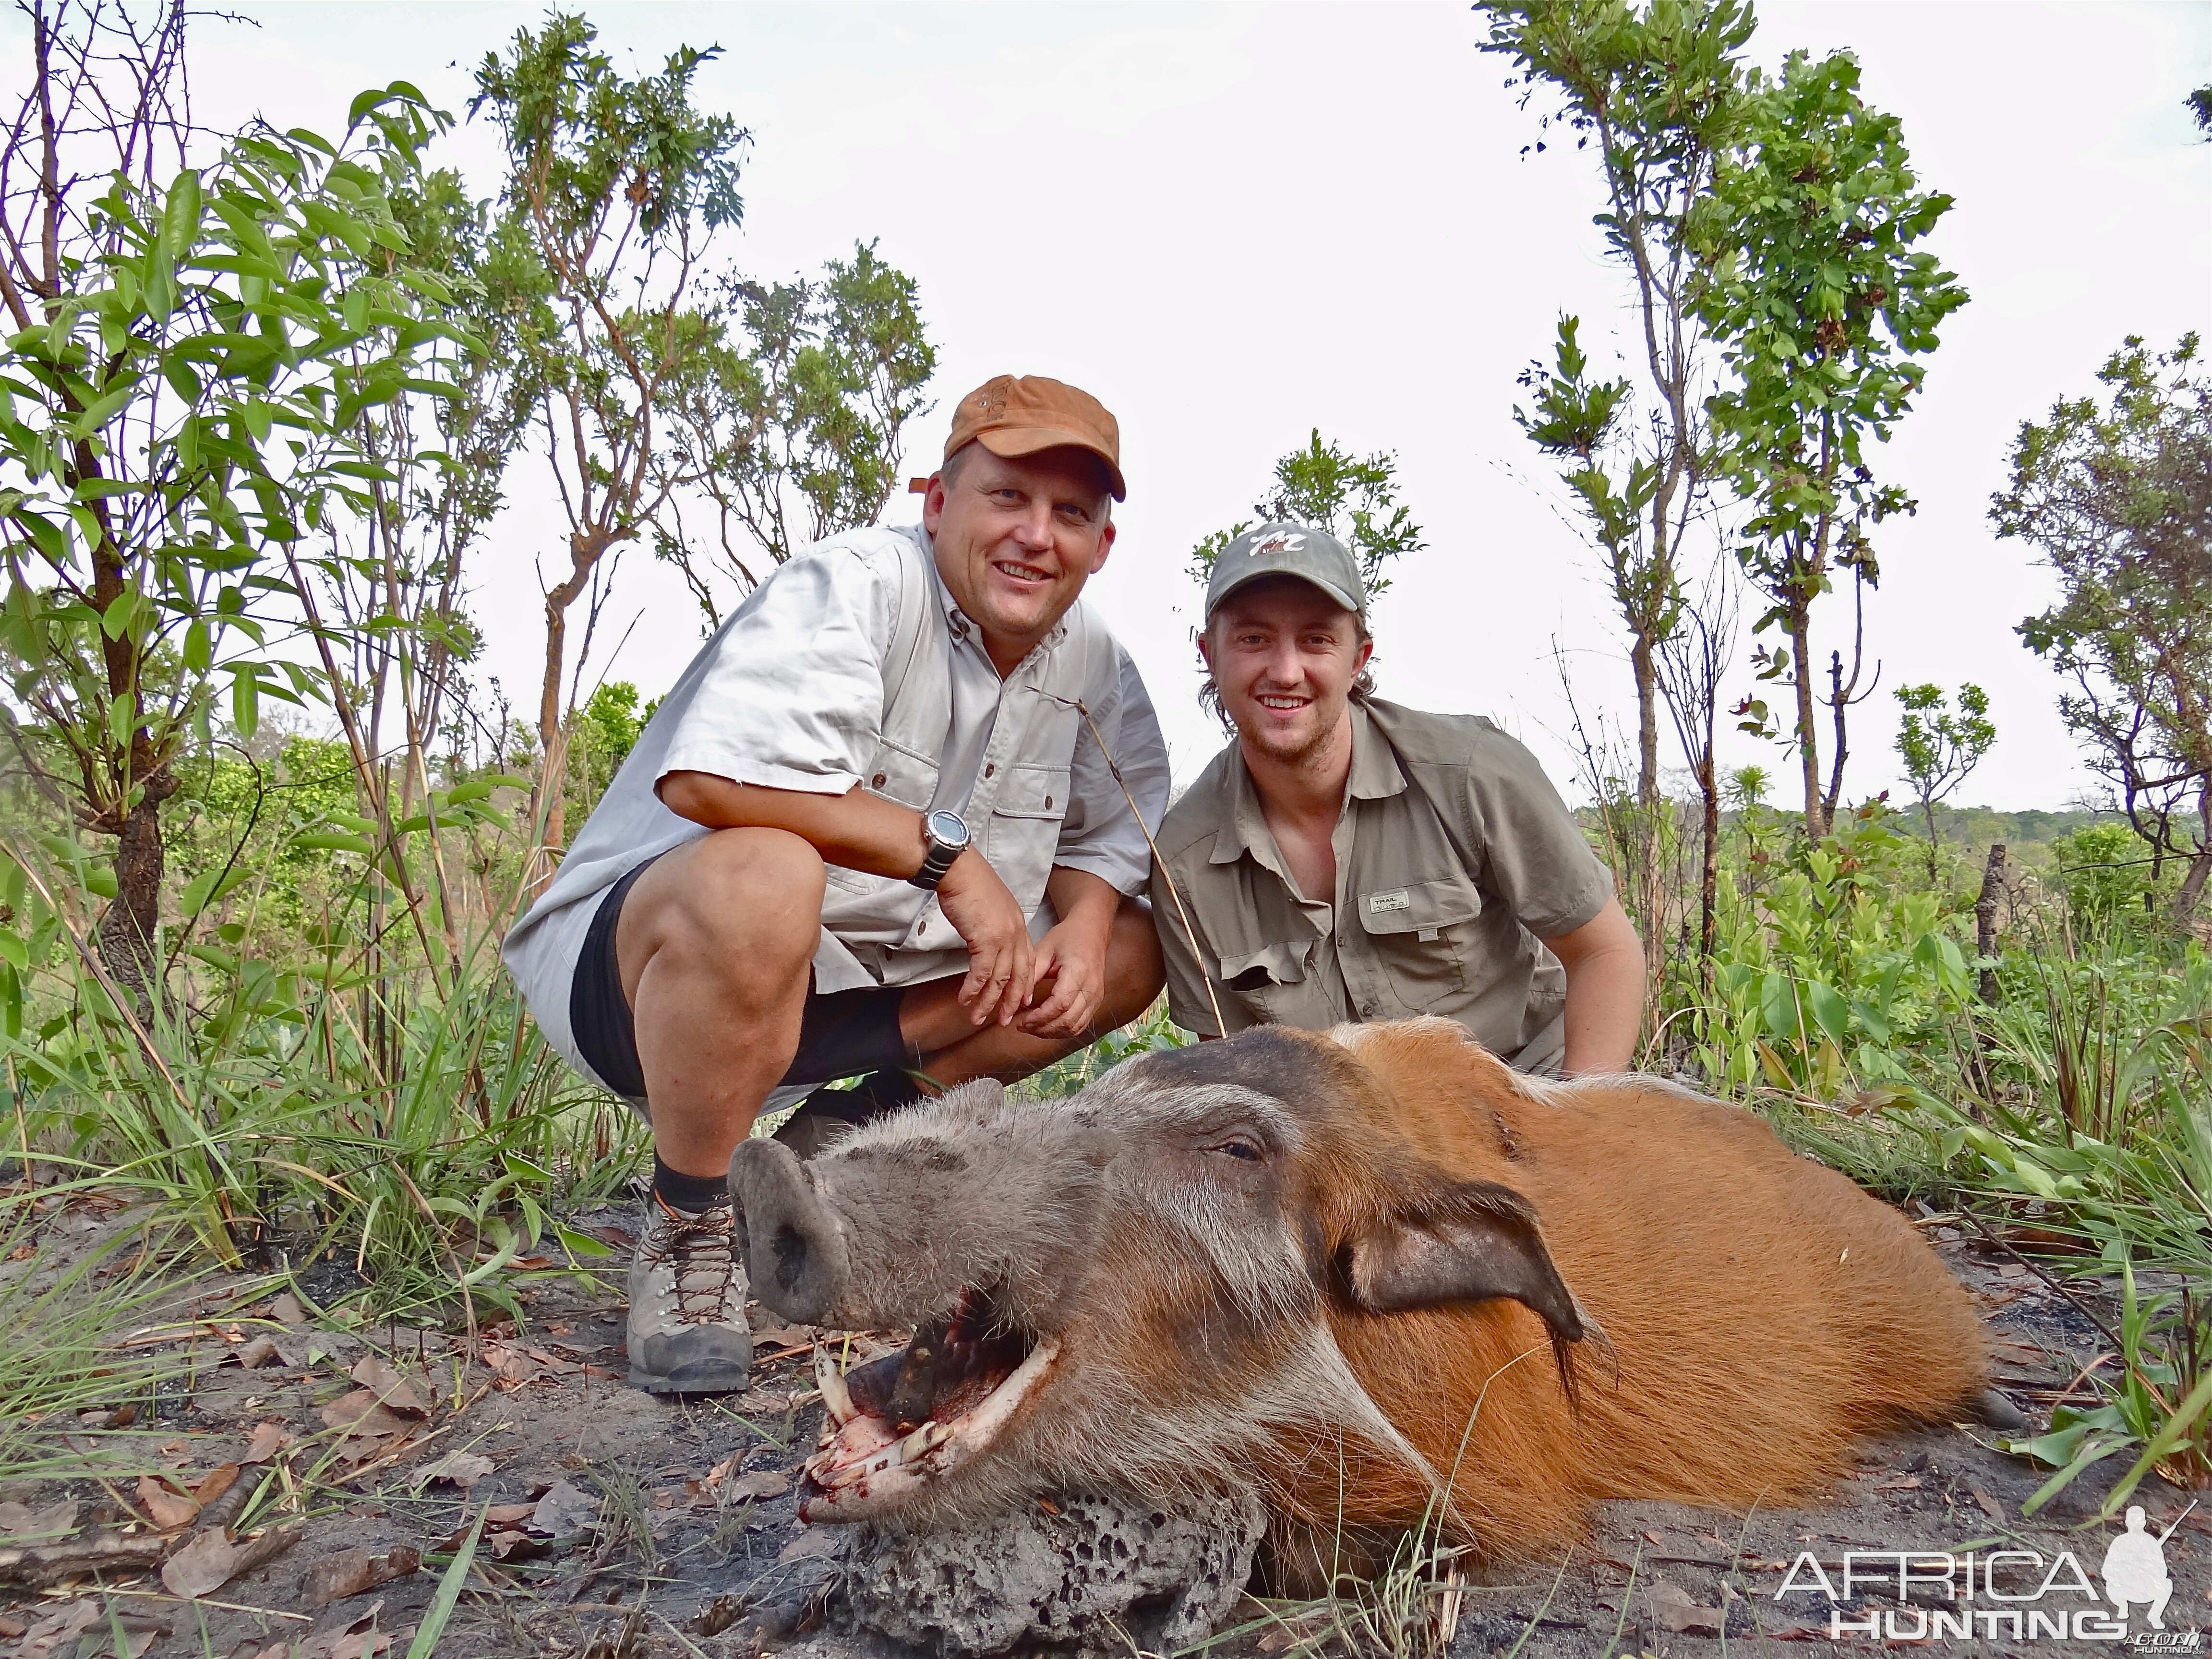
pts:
[986, 915]
[1071, 959]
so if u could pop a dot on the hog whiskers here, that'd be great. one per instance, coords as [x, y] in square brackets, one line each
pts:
[1198, 955]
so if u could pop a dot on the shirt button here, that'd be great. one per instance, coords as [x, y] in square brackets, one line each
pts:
[877, 781]
[991, 768]
[1048, 803]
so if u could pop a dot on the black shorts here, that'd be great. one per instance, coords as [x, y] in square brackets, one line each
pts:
[842, 1033]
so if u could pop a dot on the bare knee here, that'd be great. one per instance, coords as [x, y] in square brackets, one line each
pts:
[747, 902]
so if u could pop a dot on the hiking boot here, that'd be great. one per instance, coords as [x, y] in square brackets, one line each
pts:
[687, 1302]
[824, 1116]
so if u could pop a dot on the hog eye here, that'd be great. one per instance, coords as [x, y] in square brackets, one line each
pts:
[1238, 1146]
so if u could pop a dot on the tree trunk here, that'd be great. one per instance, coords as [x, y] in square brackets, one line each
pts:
[2191, 891]
[1839, 701]
[552, 739]
[1640, 658]
[1985, 918]
[131, 922]
[1709, 875]
[1809, 741]
[1928, 807]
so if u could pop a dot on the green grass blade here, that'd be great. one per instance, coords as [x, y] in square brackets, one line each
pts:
[449, 1593]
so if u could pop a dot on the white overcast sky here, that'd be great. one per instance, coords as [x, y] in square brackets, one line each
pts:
[1236, 222]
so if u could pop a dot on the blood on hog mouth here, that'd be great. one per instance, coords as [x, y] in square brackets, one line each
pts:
[909, 1418]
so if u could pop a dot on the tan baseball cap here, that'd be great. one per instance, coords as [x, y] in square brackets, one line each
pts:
[1015, 415]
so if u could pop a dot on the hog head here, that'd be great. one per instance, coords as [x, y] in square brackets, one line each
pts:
[1132, 1290]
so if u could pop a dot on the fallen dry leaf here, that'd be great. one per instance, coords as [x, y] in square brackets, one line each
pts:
[60, 1630]
[167, 1510]
[266, 1441]
[22, 1524]
[783, 1336]
[1991, 1507]
[360, 1412]
[1674, 1610]
[1898, 1483]
[1653, 1536]
[506, 1515]
[459, 1468]
[352, 1572]
[517, 1547]
[359, 1639]
[215, 1482]
[262, 1350]
[202, 1567]
[391, 1389]
[761, 1483]
[285, 1309]
[565, 1509]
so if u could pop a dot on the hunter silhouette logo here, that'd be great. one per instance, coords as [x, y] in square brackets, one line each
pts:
[1283, 540]
[2135, 1568]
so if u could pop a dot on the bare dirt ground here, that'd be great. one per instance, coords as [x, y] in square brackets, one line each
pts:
[615, 1524]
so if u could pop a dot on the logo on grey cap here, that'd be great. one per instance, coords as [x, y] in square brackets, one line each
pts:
[1283, 540]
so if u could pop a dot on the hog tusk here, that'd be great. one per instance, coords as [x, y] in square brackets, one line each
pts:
[836, 1397]
[923, 1441]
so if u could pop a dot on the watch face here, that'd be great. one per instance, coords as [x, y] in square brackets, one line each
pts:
[949, 828]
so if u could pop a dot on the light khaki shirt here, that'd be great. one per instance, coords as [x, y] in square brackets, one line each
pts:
[828, 676]
[1455, 859]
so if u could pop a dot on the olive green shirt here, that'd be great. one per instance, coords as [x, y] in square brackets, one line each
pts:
[1455, 859]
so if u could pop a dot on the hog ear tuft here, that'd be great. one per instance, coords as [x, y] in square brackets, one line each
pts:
[795, 1256]
[1476, 1242]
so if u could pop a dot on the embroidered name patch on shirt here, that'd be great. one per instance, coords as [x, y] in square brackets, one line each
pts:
[1400, 899]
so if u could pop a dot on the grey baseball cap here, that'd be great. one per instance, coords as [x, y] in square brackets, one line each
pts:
[1283, 549]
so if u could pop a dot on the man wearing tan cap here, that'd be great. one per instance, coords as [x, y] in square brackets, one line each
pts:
[868, 832]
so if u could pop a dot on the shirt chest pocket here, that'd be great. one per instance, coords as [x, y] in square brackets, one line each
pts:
[903, 775]
[1269, 980]
[899, 774]
[1424, 935]
[1022, 832]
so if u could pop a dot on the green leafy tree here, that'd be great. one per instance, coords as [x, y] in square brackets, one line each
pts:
[789, 417]
[1823, 299]
[191, 350]
[615, 185]
[1940, 746]
[1355, 500]
[2117, 495]
[1654, 94]
[606, 731]
[2200, 106]
[2103, 872]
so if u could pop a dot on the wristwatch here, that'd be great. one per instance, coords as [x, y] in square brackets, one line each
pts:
[944, 837]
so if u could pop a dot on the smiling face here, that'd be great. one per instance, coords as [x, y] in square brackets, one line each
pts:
[1016, 539]
[1284, 656]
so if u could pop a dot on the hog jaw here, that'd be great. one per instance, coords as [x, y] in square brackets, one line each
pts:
[966, 1217]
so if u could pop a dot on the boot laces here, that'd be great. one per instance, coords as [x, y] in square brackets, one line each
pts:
[701, 1252]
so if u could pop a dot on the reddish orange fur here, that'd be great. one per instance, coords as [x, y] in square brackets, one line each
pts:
[1763, 1313]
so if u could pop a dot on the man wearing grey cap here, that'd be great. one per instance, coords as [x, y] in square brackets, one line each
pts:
[1346, 858]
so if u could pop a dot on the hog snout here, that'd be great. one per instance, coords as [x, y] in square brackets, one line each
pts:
[971, 1191]
[795, 1253]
